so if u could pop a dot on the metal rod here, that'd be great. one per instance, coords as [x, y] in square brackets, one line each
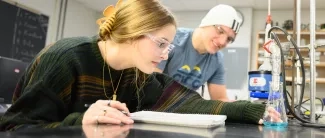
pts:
[64, 17]
[293, 73]
[306, 46]
[312, 61]
[298, 18]
[59, 29]
[269, 8]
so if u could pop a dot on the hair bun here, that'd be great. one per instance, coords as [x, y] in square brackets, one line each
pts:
[106, 23]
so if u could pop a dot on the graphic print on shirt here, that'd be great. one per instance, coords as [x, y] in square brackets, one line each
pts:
[189, 76]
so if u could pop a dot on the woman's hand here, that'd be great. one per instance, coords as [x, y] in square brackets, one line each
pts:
[107, 112]
[274, 115]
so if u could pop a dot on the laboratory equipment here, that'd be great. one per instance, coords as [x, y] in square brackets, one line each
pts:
[276, 62]
[275, 98]
[258, 80]
[258, 83]
[275, 102]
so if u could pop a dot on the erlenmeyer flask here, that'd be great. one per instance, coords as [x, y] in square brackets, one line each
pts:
[275, 112]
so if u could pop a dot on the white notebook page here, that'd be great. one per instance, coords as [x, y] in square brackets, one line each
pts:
[189, 120]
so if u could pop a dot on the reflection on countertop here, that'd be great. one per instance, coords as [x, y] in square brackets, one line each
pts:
[230, 130]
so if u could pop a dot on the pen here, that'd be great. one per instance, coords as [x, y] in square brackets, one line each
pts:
[124, 112]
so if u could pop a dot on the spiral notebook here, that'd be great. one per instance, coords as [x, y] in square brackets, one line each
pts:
[188, 120]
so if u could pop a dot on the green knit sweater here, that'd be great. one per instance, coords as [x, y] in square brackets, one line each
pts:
[69, 74]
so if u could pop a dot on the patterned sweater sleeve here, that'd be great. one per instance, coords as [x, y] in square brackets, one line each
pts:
[179, 99]
[42, 95]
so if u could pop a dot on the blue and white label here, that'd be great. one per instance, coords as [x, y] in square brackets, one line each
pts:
[257, 82]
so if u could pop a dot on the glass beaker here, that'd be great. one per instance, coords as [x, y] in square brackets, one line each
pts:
[275, 111]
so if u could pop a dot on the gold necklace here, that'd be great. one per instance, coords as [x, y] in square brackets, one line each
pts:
[114, 90]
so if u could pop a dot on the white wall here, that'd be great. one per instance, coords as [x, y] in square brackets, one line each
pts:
[80, 20]
[192, 19]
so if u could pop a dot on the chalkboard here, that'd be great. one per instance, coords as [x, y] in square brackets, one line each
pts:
[22, 32]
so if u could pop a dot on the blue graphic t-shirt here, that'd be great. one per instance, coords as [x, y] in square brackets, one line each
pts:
[190, 68]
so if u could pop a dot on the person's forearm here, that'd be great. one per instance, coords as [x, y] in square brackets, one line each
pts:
[179, 99]
[239, 111]
[216, 96]
[243, 111]
[218, 92]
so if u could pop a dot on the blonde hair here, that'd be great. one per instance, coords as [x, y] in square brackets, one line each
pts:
[129, 21]
[133, 19]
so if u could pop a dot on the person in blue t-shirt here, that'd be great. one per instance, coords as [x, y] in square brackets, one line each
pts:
[196, 58]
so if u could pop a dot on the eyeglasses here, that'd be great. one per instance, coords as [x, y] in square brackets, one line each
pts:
[221, 31]
[161, 43]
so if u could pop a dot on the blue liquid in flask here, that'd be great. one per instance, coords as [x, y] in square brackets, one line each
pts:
[275, 104]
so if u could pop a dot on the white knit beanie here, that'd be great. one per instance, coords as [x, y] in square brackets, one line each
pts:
[222, 15]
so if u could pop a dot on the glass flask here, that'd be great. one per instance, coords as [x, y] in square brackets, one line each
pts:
[275, 112]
